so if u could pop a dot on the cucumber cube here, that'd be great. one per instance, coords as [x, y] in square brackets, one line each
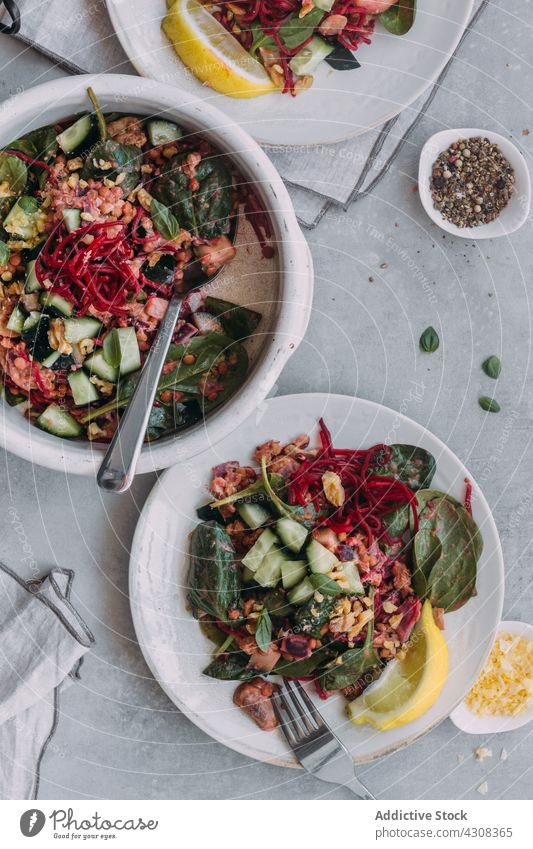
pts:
[291, 533]
[252, 560]
[321, 559]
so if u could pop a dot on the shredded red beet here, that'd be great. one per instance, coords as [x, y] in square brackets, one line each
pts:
[96, 274]
[272, 14]
[468, 495]
[320, 690]
[368, 496]
[38, 162]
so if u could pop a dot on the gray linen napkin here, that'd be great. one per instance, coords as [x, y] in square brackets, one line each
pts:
[42, 643]
[83, 41]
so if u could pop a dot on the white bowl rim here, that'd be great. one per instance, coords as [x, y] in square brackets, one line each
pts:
[466, 721]
[294, 266]
[440, 141]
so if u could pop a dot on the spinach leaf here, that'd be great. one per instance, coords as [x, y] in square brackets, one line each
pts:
[427, 548]
[492, 367]
[429, 340]
[399, 18]
[161, 420]
[163, 271]
[108, 159]
[303, 668]
[451, 578]
[206, 211]
[238, 322]
[213, 582]
[14, 172]
[263, 633]
[232, 666]
[165, 222]
[276, 603]
[426, 497]
[5, 253]
[38, 144]
[342, 59]
[232, 380]
[409, 464]
[297, 30]
[355, 662]
[260, 39]
[397, 521]
[207, 350]
[310, 616]
[12, 399]
[184, 377]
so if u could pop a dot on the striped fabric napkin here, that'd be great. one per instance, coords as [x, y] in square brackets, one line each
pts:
[83, 41]
[42, 645]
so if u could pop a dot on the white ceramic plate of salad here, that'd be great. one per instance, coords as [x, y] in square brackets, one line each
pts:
[178, 651]
[394, 69]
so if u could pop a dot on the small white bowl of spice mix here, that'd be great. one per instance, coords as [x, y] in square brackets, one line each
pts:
[502, 697]
[474, 183]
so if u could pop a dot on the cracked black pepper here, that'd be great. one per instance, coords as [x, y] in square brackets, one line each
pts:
[471, 182]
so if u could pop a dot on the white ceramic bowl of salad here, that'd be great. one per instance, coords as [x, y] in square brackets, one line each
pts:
[281, 290]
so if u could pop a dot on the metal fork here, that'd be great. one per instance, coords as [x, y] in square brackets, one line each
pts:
[313, 742]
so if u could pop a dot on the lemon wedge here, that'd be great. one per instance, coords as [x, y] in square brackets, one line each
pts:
[212, 53]
[409, 687]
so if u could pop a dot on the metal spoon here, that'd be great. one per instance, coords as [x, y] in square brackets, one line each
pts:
[118, 466]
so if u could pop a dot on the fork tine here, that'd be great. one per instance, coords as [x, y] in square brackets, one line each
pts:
[310, 706]
[287, 711]
[287, 726]
[302, 709]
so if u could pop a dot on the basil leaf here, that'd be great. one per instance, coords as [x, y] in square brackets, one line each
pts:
[490, 405]
[5, 253]
[263, 633]
[429, 341]
[399, 18]
[492, 367]
[14, 172]
[297, 30]
[164, 220]
[28, 204]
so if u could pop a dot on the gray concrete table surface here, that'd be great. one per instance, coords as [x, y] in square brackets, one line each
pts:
[383, 273]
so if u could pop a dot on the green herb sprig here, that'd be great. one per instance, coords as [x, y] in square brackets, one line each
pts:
[263, 632]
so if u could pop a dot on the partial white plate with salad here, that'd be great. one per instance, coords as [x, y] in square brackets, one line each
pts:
[172, 642]
[394, 71]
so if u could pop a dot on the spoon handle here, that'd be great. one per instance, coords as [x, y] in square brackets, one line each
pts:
[118, 467]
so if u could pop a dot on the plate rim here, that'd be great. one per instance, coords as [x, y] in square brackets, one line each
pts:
[289, 761]
[423, 86]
